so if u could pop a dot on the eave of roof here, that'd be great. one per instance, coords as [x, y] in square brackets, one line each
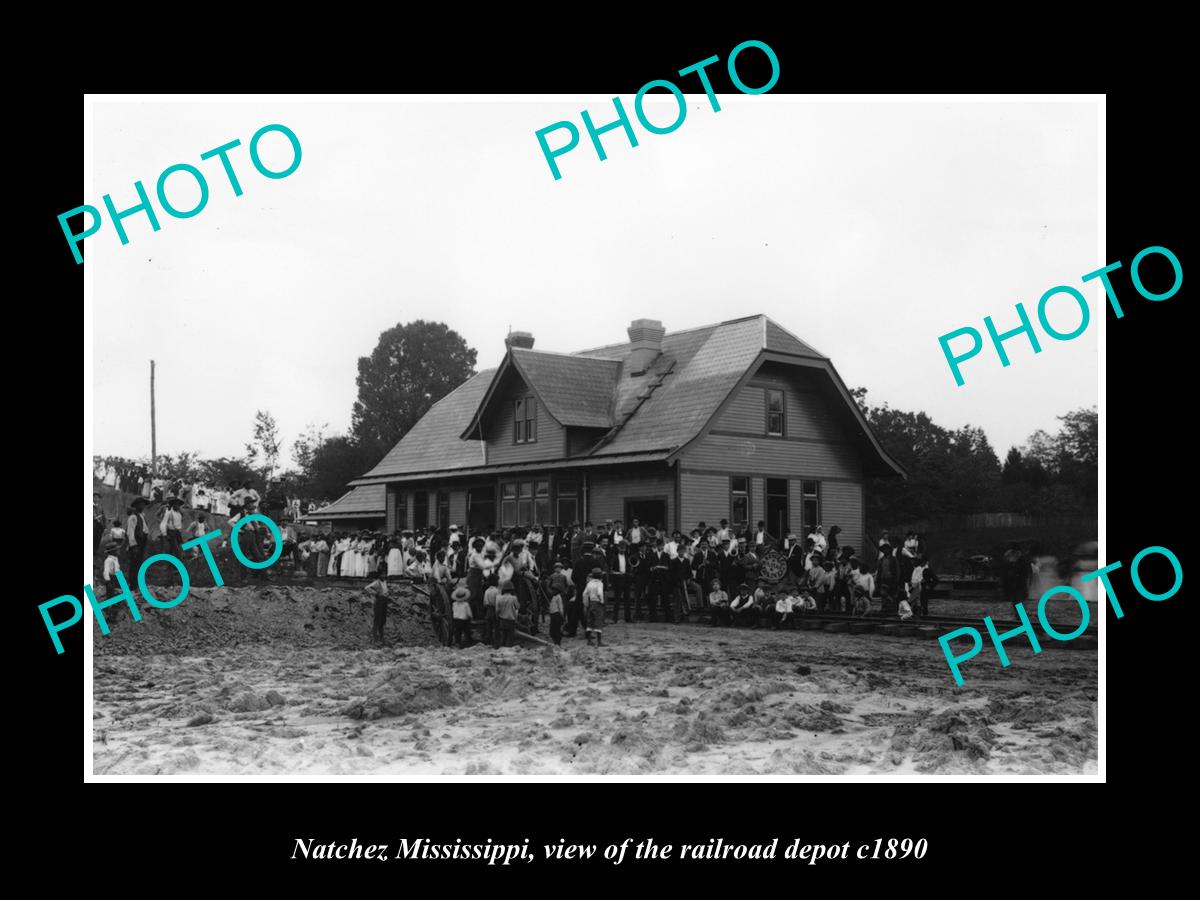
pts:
[575, 462]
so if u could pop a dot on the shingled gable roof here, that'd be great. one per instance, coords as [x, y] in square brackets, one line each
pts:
[695, 374]
[362, 502]
[575, 390]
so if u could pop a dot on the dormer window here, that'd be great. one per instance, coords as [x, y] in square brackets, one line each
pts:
[525, 420]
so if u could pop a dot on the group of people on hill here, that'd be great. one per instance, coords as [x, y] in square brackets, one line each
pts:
[128, 540]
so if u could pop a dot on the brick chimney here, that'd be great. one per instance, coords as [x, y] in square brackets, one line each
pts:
[645, 337]
[519, 339]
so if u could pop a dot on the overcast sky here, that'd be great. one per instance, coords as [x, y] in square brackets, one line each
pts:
[867, 229]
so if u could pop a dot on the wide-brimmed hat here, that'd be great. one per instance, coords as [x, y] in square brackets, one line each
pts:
[558, 565]
[139, 501]
[172, 501]
[596, 573]
[506, 586]
[461, 594]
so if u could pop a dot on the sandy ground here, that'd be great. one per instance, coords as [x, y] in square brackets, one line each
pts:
[309, 695]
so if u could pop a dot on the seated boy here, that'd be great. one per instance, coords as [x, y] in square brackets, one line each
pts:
[745, 606]
[862, 603]
[783, 611]
[718, 602]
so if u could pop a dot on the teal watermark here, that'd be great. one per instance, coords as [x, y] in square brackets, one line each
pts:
[1026, 627]
[1069, 295]
[185, 171]
[126, 596]
[623, 122]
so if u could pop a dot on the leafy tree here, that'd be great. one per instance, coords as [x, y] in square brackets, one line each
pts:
[411, 368]
[262, 451]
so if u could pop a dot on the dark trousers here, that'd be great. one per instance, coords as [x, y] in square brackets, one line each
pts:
[574, 611]
[136, 554]
[173, 543]
[721, 615]
[642, 588]
[620, 586]
[97, 533]
[462, 632]
[507, 633]
[556, 627]
[381, 611]
[490, 632]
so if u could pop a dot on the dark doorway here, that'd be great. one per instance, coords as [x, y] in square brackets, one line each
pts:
[481, 510]
[648, 511]
[777, 507]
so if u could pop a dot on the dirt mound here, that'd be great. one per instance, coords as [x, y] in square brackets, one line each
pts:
[953, 741]
[261, 615]
[399, 693]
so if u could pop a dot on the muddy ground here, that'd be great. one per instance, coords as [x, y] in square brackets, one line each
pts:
[282, 679]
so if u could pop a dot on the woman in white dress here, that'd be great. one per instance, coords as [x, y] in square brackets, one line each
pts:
[395, 558]
[335, 547]
[346, 566]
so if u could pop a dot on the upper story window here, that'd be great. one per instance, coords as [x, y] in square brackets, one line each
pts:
[525, 420]
[775, 423]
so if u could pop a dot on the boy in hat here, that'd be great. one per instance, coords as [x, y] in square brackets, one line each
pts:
[862, 602]
[460, 604]
[593, 605]
[112, 565]
[745, 606]
[506, 616]
[558, 587]
[378, 591]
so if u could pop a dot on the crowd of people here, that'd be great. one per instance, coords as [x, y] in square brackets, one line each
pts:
[124, 542]
[224, 499]
[575, 578]
[570, 578]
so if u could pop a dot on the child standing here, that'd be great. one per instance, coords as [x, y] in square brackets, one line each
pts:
[112, 568]
[378, 590]
[558, 587]
[506, 616]
[461, 606]
[593, 606]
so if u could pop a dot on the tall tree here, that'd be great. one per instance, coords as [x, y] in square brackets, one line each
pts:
[263, 449]
[411, 368]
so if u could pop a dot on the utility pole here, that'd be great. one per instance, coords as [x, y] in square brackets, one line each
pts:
[153, 435]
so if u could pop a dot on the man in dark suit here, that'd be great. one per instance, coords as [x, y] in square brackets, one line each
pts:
[642, 564]
[725, 568]
[580, 567]
[660, 582]
[620, 567]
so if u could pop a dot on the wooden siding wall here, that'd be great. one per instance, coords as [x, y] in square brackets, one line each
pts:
[704, 498]
[607, 492]
[807, 414]
[390, 523]
[551, 439]
[458, 507]
[842, 504]
[814, 447]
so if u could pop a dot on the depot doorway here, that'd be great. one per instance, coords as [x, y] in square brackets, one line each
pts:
[647, 510]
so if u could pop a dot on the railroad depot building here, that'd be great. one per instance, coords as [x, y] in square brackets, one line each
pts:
[741, 421]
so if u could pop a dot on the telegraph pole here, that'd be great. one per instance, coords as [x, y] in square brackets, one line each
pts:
[153, 436]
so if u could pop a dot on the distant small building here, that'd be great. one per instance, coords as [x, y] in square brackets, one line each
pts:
[740, 420]
[358, 508]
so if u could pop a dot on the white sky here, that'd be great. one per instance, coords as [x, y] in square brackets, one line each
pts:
[867, 229]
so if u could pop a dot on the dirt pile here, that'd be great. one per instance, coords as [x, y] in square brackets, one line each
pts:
[263, 615]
